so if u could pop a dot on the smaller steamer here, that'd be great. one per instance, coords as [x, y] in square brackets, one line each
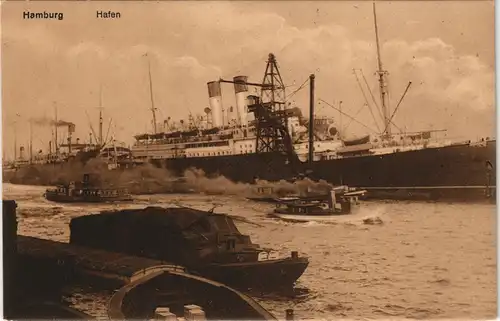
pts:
[86, 192]
[340, 201]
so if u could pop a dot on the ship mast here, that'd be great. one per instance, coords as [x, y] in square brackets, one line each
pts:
[382, 78]
[153, 109]
[100, 118]
[31, 141]
[311, 119]
[55, 125]
[15, 142]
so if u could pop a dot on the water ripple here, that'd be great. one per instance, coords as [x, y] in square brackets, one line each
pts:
[425, 261]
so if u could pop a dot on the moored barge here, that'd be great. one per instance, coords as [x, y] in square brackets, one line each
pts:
[206, 243]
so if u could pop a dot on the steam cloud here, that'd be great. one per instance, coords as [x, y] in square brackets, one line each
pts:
[147, 179]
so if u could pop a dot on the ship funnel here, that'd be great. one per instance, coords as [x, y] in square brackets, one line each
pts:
[215, 101]
[241, 89]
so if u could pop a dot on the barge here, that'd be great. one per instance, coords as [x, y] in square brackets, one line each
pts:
[206, 243]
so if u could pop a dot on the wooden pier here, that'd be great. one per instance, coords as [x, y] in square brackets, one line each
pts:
[92, 263]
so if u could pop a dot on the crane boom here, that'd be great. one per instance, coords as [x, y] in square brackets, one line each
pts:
[246, 83]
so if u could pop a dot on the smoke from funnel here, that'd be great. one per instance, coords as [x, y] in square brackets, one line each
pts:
[45, 121]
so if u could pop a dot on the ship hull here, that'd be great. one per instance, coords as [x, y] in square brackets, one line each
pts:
[281, 273]
[457, 172]
[85, 199]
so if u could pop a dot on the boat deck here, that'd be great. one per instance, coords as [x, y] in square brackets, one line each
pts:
[87, 261]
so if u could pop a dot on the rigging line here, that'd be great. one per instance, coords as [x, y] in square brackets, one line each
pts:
[297, 90]
[90, 124]
[348, 116]
[398, 128]
[373, 97]
[359, 110]
[245, 67]
[399, 103]
[366, 100]
[107, 133]
[388, 92]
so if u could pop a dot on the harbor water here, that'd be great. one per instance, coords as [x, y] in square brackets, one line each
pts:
[425, 261]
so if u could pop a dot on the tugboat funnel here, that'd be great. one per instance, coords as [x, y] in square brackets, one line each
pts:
[333, 198]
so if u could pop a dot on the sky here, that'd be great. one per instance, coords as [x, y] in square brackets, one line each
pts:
[445, 48]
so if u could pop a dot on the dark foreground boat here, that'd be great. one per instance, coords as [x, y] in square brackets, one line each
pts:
[33, 283]
[167, 295]
[207, 243]
[85, 192]
[32, 290]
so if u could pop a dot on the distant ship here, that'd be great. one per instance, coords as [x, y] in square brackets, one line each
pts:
[71, 152]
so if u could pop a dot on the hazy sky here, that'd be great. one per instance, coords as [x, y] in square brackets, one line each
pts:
[446, 49]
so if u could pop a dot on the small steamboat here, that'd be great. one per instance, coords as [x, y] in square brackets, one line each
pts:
[86, 192]
[340, 201]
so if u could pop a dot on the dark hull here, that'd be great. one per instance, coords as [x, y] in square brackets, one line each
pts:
[86, 199]
[278, 273]
[139, 299]
[47, 310]
[30, 174]
[451, 172]
[263, 199]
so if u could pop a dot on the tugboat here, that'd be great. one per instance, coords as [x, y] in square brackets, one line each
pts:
[314, 208]
[85, 192]
[268, 194]
[264, 194]
[206, 243]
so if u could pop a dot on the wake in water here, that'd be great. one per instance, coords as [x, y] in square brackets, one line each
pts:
[148, 179]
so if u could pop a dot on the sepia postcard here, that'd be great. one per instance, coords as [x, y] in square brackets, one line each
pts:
[248, 160]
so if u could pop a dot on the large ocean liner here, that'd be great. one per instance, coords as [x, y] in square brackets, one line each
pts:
[264, 138]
